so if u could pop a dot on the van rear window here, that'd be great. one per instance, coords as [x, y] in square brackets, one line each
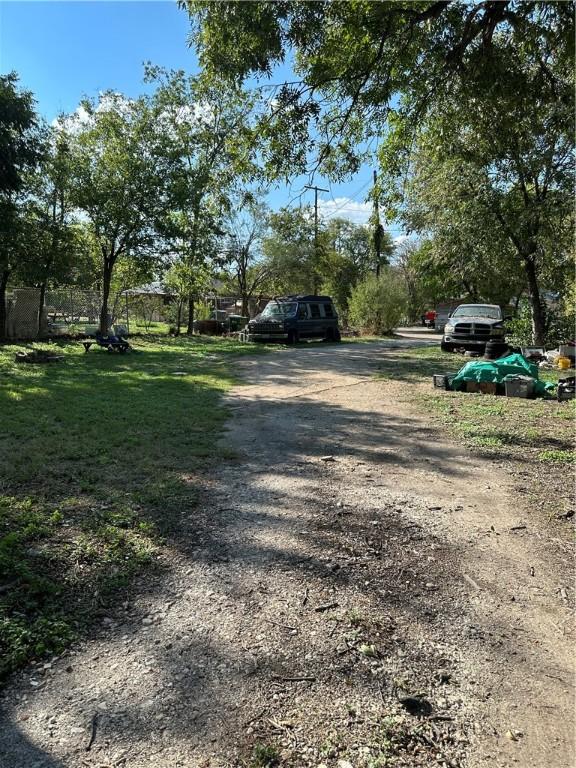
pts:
[315, 310]
[328, 310]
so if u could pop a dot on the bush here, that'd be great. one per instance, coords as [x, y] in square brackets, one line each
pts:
[377, 304]
[559, 327]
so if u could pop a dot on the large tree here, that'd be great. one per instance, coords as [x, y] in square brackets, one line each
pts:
[119, 180]
[356, 62]
[207, 133]
[55, 245]
[492, 181]
[246, 227]
[294, 262]
[21, 148]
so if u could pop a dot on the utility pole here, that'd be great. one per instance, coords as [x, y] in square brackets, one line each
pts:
[316, 249]
[378, 228]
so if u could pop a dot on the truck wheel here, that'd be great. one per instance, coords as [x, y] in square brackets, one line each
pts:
[293, 337]
[446, 347]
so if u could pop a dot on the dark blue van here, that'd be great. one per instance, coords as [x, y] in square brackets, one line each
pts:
[292, 318]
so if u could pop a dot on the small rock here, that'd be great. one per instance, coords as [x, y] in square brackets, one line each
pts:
[344, 764]
[327, 458]
[77, 730]
[147, 621]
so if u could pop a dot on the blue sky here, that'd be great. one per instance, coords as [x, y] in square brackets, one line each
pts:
[65, 50]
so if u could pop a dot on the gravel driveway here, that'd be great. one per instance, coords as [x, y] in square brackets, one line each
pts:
[354, 589]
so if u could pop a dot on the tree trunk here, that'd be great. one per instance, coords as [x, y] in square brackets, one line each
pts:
[190, 326]
[179, 315]
[3, 314]
[245, 300]
[41, 305]
[536, 305]
[106, 281]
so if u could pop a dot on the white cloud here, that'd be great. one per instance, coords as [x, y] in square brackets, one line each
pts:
[72, 123]
[345, 208]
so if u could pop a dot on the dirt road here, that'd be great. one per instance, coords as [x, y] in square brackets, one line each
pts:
[353, 590]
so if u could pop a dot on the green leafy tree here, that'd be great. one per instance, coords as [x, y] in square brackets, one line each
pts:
[21, 148]
[465, 247]
[294, 262]
[349, 257]
[53, 245]
[119, 180]
[351, 59]
[194, 259]
[493, 188]
[492, 81]
[246, 270]
[207, 133]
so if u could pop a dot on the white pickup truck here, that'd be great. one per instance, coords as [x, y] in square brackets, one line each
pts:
[470, 326]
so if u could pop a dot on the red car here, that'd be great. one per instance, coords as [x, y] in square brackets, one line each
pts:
[429, 318]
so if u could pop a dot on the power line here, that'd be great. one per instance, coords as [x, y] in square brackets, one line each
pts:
[348, 200]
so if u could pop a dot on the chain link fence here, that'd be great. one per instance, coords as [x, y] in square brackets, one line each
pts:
[69, 311]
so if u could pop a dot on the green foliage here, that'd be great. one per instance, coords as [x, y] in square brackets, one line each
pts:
[486, 96]
[349, 257]
[293, 262]
[119, 174]
[264, 756]
[468, 252]
[378, 304]
[345, 255]
[21, 145]
[246, 271]
[559, 327]
[557, 457]
[427, 280]
[418, 50]
[492, 176]
[207, 132]
[21, 148]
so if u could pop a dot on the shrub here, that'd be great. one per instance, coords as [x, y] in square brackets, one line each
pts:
[377, 304]
[559, 326]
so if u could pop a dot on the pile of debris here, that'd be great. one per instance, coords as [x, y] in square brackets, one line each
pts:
[37, 356]
[513, 375]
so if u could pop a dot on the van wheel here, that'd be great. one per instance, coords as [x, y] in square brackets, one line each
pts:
[332, 334]
[293, 337]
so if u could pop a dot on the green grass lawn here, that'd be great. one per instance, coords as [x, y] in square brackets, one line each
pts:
[97, 461]
[535, 436]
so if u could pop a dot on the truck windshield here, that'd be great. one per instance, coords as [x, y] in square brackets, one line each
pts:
[276, 309]
[478, 310]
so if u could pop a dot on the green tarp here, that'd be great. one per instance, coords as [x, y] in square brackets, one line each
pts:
[496, 371]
